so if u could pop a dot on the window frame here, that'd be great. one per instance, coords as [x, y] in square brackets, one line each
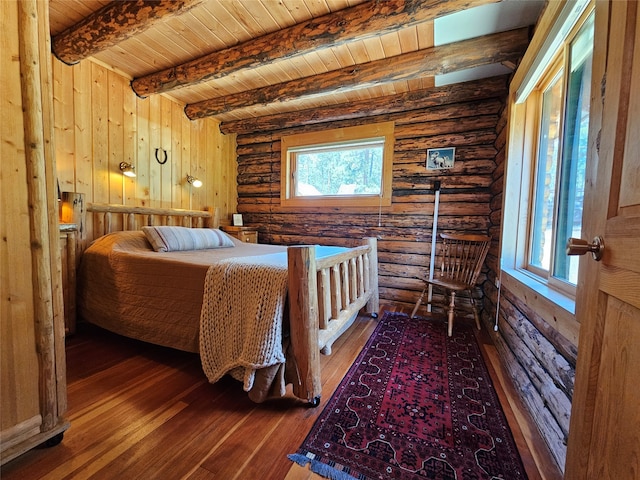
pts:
[524, 134]
[339, 137]
[557, 67]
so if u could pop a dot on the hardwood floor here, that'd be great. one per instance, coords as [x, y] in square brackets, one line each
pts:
[141, 411]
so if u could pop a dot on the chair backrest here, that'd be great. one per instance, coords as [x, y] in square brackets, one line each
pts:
[462, 256]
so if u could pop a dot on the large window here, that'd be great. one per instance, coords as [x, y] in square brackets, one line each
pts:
[347, 166]
[554, 119]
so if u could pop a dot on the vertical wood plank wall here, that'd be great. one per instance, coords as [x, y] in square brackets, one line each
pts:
[20, 410]
[100, 122]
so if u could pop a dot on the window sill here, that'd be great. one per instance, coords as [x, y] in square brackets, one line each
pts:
[554, 296]
[557, 309]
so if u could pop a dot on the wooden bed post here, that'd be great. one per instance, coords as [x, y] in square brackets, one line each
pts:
[303, 317]
[214, 220]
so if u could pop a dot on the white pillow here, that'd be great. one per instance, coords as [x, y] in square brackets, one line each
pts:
[171, 239]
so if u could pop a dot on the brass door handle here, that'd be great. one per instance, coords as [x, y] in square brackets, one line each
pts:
[577, 246]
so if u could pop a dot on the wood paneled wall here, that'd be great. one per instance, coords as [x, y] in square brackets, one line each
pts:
[100, 122]
[466, 120]
[19, 362]
[540, 361]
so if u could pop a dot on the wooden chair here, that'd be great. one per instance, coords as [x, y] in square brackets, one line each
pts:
[461, 259]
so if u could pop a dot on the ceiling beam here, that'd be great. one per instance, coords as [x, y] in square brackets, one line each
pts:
[496, 48]
[372, 107]
[355, 23]
[115, 22]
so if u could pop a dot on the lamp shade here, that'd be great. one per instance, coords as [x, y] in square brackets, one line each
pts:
[127, 169]
[194, 181]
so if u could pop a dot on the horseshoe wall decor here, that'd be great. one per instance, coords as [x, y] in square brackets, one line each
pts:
[164, 160]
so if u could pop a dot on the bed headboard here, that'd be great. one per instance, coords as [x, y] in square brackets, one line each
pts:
[107, 218]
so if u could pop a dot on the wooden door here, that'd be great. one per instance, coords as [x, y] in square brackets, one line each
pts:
[604, 435]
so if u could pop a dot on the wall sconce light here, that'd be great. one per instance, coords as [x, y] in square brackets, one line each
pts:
[127, 169]
[194, 181]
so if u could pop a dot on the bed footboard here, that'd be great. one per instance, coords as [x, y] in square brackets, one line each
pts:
[325, 297]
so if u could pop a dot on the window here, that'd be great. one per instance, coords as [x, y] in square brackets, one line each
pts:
[560, 163]
[553, 122]
[340, 167]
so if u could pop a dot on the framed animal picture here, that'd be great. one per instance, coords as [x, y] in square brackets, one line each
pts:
[441, 158]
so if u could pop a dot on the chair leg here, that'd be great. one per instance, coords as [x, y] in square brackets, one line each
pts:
[418, 303]
[452, 306]
[476, 316]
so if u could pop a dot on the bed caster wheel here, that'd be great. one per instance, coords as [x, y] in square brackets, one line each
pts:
[53, 441]
[374, 315]
[313, 403]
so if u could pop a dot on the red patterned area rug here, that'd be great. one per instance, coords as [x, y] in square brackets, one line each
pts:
[415, 404]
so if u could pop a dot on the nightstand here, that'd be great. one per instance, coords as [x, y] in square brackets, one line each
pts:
[68, 256]
[244, 234]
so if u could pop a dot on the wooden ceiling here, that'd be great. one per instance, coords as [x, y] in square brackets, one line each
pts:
[235, 59]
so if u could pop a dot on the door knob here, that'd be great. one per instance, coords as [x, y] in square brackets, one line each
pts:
[577, 246]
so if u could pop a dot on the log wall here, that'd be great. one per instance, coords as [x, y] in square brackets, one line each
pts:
[465, 119]
[540, 361]
[100, 122]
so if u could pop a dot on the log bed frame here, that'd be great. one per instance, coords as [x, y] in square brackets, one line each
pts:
[325, 295]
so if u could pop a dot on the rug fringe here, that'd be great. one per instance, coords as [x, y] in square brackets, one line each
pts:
[320, 468]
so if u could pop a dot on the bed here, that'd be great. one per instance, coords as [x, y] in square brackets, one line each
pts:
[261, 313]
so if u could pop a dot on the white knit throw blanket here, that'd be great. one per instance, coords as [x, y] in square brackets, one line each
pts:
[241, 317]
